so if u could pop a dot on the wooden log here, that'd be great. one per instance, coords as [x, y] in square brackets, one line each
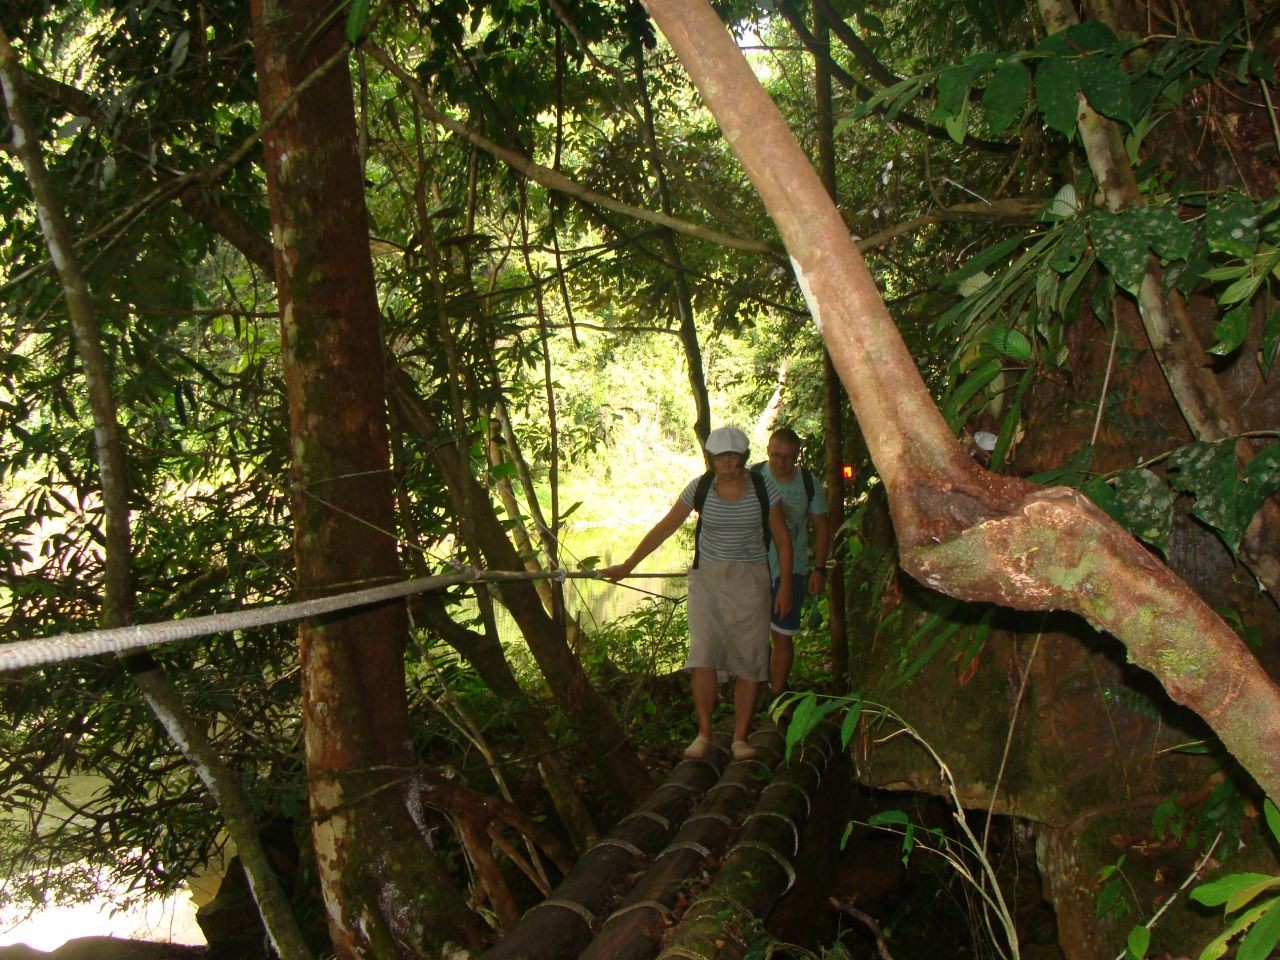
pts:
[770, 833]
[758, 869]
[635, 929]
[561, 925]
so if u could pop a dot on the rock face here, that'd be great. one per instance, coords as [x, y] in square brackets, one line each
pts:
[107, 948]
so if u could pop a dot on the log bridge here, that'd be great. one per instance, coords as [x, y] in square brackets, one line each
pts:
[687, 874]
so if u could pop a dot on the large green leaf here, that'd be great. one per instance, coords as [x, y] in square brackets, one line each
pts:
[1165, 231]
[1121, 246]
[1070, 248]
[1106, 85]
[1006, 95]
[1010, 342]
[1225, 498]
[1056, 86]
[1085, 37]
[1231, 226]
[1258, 943]
[1145, 506]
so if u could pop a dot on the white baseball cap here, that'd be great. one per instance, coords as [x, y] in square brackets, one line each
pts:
[726, 440]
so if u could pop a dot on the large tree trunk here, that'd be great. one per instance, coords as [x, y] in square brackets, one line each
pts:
[962, 530]
[385, 892]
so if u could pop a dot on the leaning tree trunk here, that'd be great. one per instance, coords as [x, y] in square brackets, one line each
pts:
[963, 530]
[386, 893]
[118, 592]
[832, 393]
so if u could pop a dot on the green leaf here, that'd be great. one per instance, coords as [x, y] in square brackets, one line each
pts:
[1231, 226]
[1006, 95]
[1121, 245]
[1208, 471]
[1270, 340]
[1232, 889]
[850, 724]
[357, 20]
[953, 83]
[1165, 231]
[802, 722]
[1056, 85]
[1242, 289]
[1231, 330]
[1137, 942]
[1070, 248]
[954, 402]
[1073, 473]
[1106, 85]
[1009, 342]
[981, 261]
[1218, 946]
[1261, 940]
[1273, 818]
[1084, 37]
[1145, 505]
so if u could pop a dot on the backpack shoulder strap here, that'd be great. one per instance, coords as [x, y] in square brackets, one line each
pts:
[810, 485]
[762, 494]
[699, 501]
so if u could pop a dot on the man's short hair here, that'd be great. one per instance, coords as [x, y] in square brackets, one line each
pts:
[786, 435]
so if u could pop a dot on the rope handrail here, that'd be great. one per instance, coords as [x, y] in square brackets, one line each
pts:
[42, 651]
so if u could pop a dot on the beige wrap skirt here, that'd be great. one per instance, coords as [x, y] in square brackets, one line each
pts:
[729, 618]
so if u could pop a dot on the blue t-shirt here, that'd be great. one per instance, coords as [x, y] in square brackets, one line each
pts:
[731, 529]
[797, 507]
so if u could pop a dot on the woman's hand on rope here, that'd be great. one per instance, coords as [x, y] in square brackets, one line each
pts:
[618, 571]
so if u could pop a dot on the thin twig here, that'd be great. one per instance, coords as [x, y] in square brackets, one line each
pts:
[1191, 878]
[844, 906]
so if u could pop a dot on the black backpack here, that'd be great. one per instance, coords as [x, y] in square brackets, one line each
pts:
[700, 498]
[810, 483]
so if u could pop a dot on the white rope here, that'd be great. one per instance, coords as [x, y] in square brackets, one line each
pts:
[72, 646]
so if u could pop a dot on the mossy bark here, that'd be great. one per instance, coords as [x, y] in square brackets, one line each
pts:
[386, 893]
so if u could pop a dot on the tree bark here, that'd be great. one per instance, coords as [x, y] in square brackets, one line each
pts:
[385, 892]
[832, 392]
[961, 529]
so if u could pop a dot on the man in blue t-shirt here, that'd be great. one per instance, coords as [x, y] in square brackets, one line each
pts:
[803, 503]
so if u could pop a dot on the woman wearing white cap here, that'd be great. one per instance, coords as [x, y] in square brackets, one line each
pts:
[729, 602]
